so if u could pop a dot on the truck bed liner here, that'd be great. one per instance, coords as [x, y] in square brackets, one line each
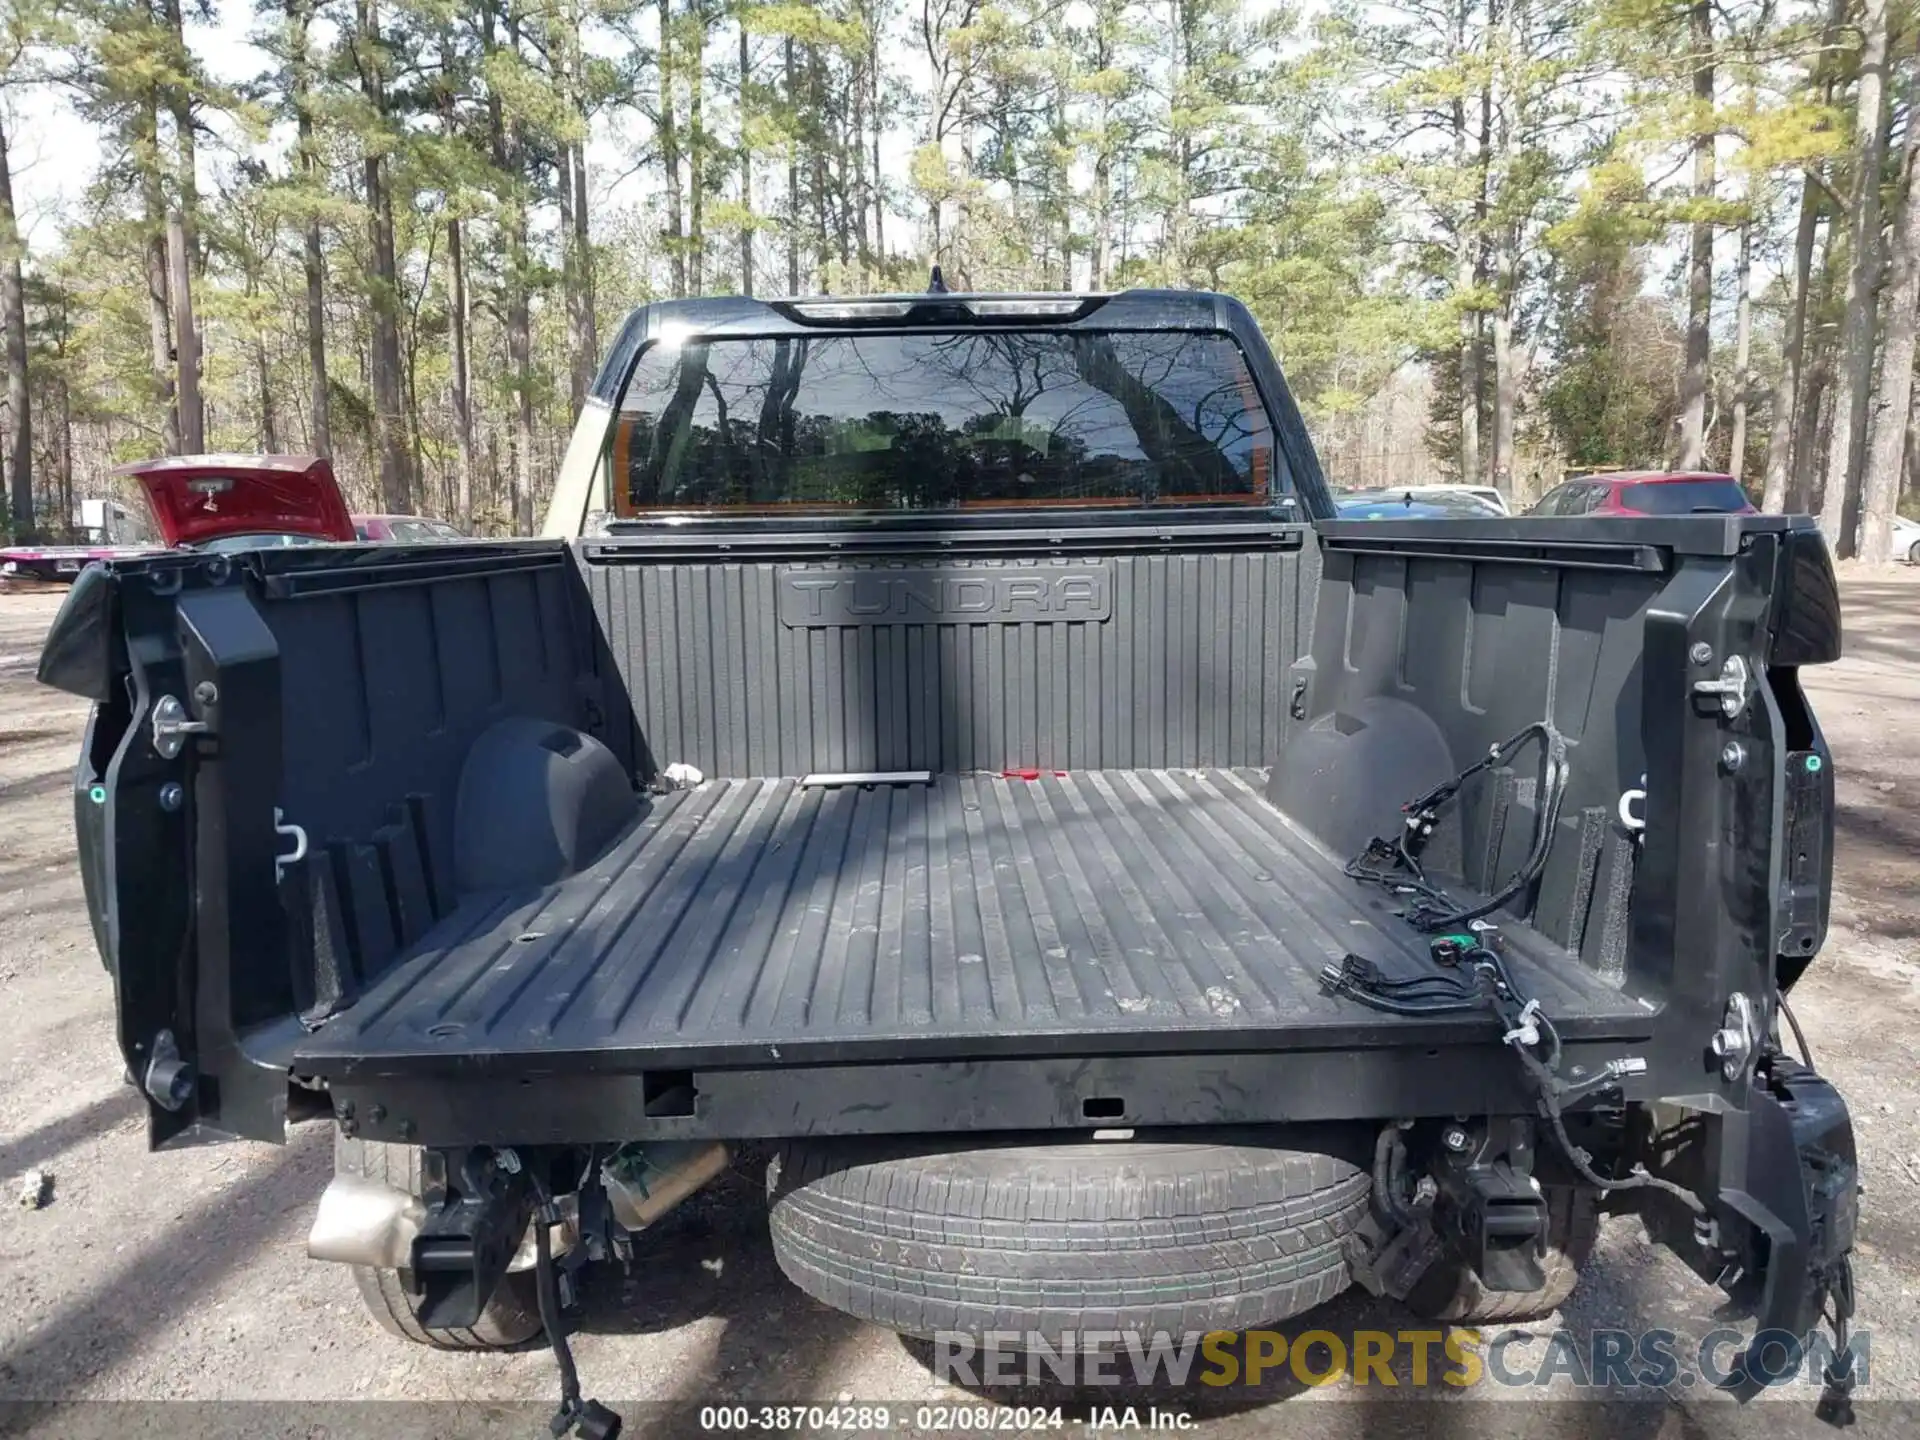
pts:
[755, 920]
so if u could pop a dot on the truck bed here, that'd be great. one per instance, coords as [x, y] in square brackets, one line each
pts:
[753, 920]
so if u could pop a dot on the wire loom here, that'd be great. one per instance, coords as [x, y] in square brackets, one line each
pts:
[1471, 976]
[1393, 863]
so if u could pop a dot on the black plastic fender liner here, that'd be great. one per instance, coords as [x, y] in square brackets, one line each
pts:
[1348, 773]
[538, 801]
[1789, 1171]
[84, 652]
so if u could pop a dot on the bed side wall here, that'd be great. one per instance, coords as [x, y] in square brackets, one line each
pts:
[1420, 663]
[385, 687]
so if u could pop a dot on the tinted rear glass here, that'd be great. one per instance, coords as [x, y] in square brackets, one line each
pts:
[1685, 497]
[940, 421]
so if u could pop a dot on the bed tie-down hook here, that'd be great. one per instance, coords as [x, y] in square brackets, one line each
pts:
[283, 826]
[1629, 821]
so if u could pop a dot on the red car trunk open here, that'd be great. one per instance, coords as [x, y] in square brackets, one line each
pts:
[197, 498]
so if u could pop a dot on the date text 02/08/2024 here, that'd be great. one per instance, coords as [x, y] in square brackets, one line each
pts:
[940, 1419]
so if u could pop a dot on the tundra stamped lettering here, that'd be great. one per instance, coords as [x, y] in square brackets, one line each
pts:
[871, 595]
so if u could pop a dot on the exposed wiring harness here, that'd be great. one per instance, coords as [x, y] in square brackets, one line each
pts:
[1793, 1024]
[1481, 982]
[1394, 862]
[588, 1419]
[1836, 1391]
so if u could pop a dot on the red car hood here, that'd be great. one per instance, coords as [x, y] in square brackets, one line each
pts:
[196, 498]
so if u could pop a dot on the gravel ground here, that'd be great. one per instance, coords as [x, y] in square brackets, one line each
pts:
[183, 1276]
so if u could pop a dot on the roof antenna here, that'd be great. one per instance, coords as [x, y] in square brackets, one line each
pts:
[937, 285]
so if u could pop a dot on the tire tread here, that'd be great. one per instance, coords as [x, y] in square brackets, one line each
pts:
[1185, 1237]
[512, 1313]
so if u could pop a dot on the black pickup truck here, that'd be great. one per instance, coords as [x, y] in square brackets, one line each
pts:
[946, 740]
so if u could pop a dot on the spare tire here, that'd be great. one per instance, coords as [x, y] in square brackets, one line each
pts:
[1209, 1231]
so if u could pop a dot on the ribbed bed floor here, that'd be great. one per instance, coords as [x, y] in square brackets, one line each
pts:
[756, 920]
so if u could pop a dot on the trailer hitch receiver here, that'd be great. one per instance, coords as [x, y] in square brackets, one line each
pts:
[1505, 1220]
[466, 1243]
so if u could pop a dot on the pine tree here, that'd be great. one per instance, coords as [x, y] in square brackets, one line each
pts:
[25, 26]
[1840, 506]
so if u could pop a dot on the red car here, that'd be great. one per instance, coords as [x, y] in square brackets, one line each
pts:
[404, 529]
[241, 502]
[1647, 492]
[212, 502]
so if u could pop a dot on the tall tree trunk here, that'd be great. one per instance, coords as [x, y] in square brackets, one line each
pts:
[1466, 267]
[1815, 407]
[1505, 382]
[746, 160]
[13, 315]
[1102, 212]
[1886, 452]
[1783, 430]
[1742, 351]
[576, 241]
[1840, 507]
[146, 146]
[817, 179]
[186, 337]
[876, 121]
[1469, 407]
[588, 337]
[263, 373]
[1506, 238]
[520, 358]
[793, 177]
[181, 222]
[1178, 213]
[1793, 344]
[508, 153]
[389, 415]
[857, 148]
[458, 316]
[320, 428]
[577, 377]
[670, 154]
[696, 22]
[457, 321]
[1693, 378]
[66, 456]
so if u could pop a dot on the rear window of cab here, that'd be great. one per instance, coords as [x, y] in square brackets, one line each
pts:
[947, 420]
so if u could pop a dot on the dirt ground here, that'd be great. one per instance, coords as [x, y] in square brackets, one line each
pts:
[183, 1276]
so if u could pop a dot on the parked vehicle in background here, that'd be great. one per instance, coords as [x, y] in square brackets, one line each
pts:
[404, 529]
[105, 529]
[1489, 493]
[60, 562]
[200, 502]
[1647, 492]
[1431, 503]
[242, 502]
[1906, 539]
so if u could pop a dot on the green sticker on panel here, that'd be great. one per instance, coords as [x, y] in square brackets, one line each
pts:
[1813, 764]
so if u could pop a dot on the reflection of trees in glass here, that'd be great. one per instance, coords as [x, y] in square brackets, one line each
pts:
[773, 448]
[937, 420]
